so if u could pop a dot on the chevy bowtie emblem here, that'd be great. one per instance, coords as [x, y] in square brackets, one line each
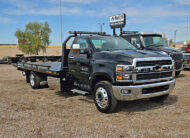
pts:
[157, 67]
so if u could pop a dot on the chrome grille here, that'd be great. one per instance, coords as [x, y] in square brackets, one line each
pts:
[153, 69]
[153, 63]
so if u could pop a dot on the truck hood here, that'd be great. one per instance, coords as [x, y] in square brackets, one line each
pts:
[168, 50]
[127, 55]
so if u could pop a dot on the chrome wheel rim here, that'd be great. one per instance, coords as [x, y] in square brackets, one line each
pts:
[32, 79]
[102, 97]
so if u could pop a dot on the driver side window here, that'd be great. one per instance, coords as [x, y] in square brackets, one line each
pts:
[83, 43]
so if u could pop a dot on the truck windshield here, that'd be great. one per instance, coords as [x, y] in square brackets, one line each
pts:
[111, 44]
[153, 41]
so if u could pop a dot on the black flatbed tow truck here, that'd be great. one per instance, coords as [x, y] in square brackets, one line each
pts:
[108, 67]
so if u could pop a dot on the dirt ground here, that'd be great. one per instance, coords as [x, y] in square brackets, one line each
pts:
[25, 112]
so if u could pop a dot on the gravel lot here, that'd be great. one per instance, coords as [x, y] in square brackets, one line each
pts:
[25, 112]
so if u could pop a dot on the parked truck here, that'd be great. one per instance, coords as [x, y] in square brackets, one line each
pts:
[108, 67]
[155, 42]
[186, 53]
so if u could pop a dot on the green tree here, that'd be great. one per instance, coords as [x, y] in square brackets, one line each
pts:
[34, 38]
[171, 42]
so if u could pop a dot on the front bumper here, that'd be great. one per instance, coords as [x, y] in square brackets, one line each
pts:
[136, 91]
[187, 63]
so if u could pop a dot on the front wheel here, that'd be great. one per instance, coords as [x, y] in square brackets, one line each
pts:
[103, 97]
[159, 98]
[177, 73]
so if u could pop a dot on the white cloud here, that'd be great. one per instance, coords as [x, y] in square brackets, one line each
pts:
[73, 1]
[4, 19]
[181, 30]
[155, 12]
[183, 2]
[21, 3]
[51, 11]
[26, 7]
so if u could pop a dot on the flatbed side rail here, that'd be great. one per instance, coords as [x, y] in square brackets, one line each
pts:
[45, 69]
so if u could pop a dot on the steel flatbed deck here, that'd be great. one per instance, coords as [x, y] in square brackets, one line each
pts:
[49, 68]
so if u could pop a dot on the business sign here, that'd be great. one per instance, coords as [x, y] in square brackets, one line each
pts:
[118, 21]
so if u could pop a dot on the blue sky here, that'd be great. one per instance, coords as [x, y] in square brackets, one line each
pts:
[162, 16]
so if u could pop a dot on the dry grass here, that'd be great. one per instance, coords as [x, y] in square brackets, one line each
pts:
[13, 50]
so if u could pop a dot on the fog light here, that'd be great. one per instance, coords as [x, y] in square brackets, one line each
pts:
[118, 77]
[126, 76]
[125, 91]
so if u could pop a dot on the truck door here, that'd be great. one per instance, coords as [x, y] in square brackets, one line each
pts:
[79, 64]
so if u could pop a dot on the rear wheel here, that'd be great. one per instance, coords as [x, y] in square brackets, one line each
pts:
[103, 97]
[177, 73]
[159, 98]
[34, 80]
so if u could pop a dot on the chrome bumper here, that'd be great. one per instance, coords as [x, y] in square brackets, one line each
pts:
[136, 91]
[186, 66]
[187, 63]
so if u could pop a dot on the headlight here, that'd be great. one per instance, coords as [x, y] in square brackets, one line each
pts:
[124, 68]
[164, 53]
[124, 73]
[173, 64]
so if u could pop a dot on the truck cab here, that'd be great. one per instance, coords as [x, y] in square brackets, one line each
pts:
[112, 69]
[155, 42]
[186, 53]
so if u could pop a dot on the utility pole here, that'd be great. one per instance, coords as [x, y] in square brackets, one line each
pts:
[175, 32]
[187, 35]
[61, 22]
[101, 25]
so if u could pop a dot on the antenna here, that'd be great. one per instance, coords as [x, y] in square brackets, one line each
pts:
[61, 21]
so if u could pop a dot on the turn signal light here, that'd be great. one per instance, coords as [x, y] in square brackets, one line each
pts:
[118, 77]
[119, 68]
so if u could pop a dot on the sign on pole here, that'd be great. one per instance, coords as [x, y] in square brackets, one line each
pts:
[118, 21]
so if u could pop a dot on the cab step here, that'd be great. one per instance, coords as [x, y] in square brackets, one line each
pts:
[80, 92]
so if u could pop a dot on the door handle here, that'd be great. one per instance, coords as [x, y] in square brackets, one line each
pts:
[72, 57]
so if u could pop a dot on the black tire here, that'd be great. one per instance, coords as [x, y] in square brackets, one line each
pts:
[107, 97]
[27, 73]
[159, 98]
[177, 73]
[66, 85]
[34, 80]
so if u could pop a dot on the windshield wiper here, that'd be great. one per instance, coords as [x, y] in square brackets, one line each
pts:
[153, 45]
[128, 49]
[123, 49]
[107, 50]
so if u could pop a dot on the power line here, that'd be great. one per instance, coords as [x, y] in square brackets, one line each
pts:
[61, 22]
